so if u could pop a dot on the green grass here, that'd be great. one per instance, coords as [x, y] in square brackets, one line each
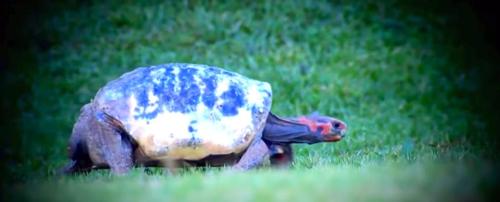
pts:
[336, 183]
[413, 81]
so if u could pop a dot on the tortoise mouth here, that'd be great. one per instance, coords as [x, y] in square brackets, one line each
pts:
[333, 138]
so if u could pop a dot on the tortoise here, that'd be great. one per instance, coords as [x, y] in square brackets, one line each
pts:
[196, 114]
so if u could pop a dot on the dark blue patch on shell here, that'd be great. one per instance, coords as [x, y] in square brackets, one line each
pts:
[194, 141]
[192, 126]
[183, 99]
[209, 96]
[233, 98]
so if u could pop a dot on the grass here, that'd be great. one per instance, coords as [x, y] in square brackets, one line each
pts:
[337, 183]
[414, 81]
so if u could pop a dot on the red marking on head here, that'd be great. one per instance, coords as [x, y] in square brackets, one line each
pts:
[310, 123]
[314, 126]
[326, 128]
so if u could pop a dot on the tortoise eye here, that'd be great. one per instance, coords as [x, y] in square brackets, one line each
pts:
[336, 125]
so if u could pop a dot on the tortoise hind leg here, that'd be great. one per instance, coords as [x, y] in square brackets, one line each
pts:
[77, 149]
[98, 141]
[113, 145]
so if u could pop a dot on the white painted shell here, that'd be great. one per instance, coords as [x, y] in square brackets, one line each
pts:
[187, 111]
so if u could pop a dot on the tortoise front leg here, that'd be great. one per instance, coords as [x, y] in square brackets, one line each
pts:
[253, 156]
[281, 155]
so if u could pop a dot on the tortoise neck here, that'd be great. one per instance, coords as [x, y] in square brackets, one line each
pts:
[287, 130]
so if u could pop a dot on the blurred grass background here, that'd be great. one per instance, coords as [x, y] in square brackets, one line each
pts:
[417, 83]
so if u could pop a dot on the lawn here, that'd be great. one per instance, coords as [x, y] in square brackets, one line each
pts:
[415, 82]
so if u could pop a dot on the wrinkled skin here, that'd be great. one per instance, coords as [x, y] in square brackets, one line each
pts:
[100, 141]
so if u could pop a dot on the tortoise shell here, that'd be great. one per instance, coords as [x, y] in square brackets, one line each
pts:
[187, 111]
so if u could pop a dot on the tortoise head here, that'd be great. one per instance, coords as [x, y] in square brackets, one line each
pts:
[328, 129]
[309, 129]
